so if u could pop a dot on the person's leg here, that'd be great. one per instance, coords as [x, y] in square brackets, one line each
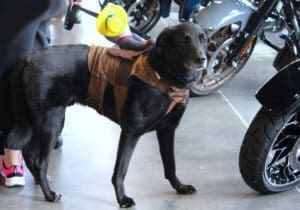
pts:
[32, 34]
[1, 145]
[10, 10]
[13, 157]
[11, 165]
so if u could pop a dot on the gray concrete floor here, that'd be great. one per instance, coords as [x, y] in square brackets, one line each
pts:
[207, 148]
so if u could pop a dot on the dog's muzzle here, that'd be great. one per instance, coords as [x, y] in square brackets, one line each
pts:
[193, 75]
[195, 71]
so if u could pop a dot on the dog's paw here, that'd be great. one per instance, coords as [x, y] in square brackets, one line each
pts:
[186, 190]
[126, 202]
[53, 197]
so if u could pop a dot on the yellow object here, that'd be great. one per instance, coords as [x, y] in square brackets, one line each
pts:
[112, 20]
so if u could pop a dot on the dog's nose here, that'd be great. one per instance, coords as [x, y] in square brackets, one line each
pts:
[200, 60]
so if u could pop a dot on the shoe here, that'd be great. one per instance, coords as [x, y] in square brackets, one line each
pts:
[14, 176]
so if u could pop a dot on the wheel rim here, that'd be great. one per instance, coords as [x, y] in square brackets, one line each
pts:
[282, 166]
[218, 71]
[215, 76]
[140, 17]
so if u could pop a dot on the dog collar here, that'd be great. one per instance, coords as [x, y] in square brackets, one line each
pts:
[146, 73]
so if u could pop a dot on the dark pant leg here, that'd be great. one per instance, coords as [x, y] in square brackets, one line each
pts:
[6, 113]
[15, 14]
[43, 36]
[33, 33]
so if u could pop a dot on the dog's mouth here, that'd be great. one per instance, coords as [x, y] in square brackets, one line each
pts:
[189, 74]
[193, 75]
[193, 71]
[195, 66]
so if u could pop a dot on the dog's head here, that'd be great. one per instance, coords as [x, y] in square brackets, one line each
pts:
[179, 54]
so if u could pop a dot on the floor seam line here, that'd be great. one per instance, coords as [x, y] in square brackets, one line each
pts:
[234, 109]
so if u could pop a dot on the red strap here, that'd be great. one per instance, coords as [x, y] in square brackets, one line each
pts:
[122, 38]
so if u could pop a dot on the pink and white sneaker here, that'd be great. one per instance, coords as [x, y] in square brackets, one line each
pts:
[13, 176]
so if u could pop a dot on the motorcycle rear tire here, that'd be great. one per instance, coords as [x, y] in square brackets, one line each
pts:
[263, 134]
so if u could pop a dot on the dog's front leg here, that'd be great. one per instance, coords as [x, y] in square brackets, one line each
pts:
[127, 144]
[166, 146]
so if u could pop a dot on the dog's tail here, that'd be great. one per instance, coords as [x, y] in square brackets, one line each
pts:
[21, 134]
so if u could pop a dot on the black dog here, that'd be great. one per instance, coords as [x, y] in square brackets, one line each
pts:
[49, 80]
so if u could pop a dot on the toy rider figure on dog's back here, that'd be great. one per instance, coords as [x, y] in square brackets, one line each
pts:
[112, 23]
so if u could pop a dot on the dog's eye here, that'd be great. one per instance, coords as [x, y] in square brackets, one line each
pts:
[187, 39]
[203, 39]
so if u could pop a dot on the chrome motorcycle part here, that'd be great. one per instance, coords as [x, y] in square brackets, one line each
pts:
[218, 72]
[220, 14]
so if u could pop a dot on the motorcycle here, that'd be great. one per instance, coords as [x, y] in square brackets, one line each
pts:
[233, 27]
[269, 159]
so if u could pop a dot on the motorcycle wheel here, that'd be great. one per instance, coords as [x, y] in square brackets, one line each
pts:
[140, 18]
[218, 72]
[269, 158]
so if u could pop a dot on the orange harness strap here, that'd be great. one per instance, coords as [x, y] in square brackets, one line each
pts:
[146, 73]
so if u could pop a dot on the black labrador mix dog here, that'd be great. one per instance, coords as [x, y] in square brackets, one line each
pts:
[47, 81]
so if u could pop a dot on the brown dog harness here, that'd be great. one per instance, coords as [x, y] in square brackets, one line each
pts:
[115, 66]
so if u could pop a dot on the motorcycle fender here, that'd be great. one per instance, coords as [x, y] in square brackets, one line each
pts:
[220, 13]
[282, 91]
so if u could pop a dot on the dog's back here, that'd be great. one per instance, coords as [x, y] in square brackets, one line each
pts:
[57, 75]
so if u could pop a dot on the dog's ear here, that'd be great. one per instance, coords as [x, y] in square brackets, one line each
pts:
[164, 40]
[161, 48]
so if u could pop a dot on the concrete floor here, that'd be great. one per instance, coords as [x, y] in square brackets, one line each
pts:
[207, 148]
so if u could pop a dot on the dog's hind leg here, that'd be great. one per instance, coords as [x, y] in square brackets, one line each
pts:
[59, 141]
[166, 146]
[19, 136]
[46, 130]
[31, 153]
[127, 144]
